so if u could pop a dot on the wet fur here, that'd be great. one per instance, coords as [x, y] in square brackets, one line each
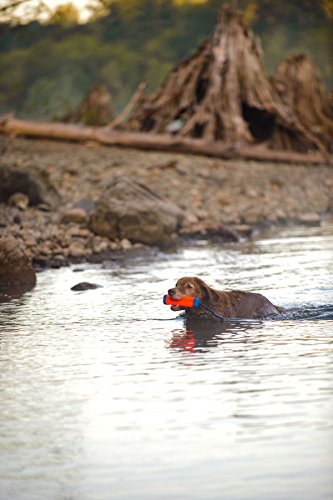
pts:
[230, 304]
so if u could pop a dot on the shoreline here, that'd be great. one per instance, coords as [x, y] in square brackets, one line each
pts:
[222, 200]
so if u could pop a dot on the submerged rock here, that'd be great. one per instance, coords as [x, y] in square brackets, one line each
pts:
[128, 209]
[85, 285]
[16, 272]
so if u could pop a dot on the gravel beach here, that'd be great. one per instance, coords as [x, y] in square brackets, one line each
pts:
[238, 196]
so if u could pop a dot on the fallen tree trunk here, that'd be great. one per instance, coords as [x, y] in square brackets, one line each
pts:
[158, 142]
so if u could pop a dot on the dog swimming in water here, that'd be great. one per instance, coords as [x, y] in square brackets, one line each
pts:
[227, 304]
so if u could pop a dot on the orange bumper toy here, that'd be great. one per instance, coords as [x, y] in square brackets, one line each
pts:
[186, 301]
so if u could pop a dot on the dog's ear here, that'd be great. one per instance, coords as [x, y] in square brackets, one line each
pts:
[213, 296]
[207, 291]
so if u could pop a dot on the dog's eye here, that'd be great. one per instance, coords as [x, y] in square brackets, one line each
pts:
[189, 285]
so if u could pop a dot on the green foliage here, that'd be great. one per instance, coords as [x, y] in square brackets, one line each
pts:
[12, 79]
[46, 97]
[47, 69]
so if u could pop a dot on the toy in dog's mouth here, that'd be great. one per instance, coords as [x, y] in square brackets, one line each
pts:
[187, 302]
[178, 305]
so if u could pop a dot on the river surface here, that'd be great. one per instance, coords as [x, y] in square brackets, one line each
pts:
[107, 394]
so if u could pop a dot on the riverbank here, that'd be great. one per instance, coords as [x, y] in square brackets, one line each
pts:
[226, 199]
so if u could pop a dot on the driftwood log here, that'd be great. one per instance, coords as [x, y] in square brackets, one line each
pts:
[160, 142]
[221, 94]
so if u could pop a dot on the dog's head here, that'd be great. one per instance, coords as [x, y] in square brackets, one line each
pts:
[192, 287]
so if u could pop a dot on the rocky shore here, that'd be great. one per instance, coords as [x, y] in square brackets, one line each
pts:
[75, 191]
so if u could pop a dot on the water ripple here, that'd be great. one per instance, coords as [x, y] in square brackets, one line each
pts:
[106, 393]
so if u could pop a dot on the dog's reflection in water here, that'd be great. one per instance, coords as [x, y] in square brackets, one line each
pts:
[203, 334]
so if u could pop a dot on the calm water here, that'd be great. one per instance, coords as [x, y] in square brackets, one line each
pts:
[105, 394]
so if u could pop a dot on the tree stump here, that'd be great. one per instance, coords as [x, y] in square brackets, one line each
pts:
[297, 84]
[95, 109]
[221, 93]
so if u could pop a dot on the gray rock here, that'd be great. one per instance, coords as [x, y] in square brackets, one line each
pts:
[86, 204]
[16, 272]
[36, 186]
[85, 285]
[129, 209]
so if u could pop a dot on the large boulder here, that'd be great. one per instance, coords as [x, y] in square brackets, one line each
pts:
[16, 272]
[36, 186]
[129, 209]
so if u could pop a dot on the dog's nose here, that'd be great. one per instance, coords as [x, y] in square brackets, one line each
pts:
[171, 292]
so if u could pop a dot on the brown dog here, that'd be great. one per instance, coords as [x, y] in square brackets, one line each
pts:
[233, 304]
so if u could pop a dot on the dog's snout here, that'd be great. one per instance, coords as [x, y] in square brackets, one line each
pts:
[171, 292]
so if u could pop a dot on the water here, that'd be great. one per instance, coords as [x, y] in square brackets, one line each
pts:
[106, 394]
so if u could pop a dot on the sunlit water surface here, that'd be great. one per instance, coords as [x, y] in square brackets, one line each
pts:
[105, 394]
